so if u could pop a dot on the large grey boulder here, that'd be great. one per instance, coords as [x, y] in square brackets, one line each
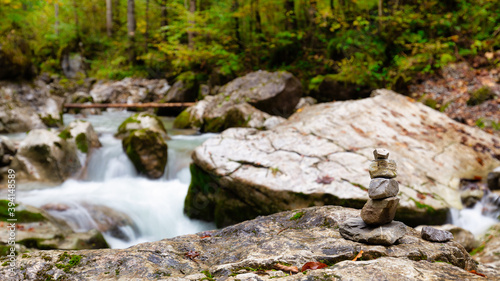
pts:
[322, 155]
[275, 94]
[84, 136]
[45, 156]
[129, 90]
[234, 253]
[148, 151]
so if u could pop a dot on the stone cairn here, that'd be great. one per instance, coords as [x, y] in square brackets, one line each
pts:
[376, 225]
[381, 207]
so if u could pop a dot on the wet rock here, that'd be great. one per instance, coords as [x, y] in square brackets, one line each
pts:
[83, 135]
[493, 179]
[436, 235]
[379, 212]
[260, 244]
[19, 120]
[148, 151]
[251, 173]
[36, 229]
[357, 230]
[7, 151]
[140, 121]
[487, 252]
[381, 188]
[274, 93]
[460, 235]
[382, 168]
[45, 156]
[471, 192]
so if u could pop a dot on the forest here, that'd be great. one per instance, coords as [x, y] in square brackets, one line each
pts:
[370, 43]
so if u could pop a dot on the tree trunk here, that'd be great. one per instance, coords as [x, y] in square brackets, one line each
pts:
[116, 15]
[192, 10]
[164, 14]
[56, 24]
[146, 33]
[380, 15]
[77, 25]
[258, 23]
[109, 17]
[291, 23]
[234, 9]
[131, 29]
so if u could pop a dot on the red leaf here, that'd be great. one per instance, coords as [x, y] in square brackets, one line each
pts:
[325, 179]
[477, 273]
[312, 265]
[358, 256]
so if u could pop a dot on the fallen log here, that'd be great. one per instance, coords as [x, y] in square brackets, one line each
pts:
[128, 105]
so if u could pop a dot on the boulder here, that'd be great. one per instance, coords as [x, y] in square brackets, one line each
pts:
[185, 89]
[7, 151]
[274, 93]
[141, 121]
[72, 65]
[45, 156]
[240, 250]
[327, 89]
[36, 229]
[129, 90]
[83, 135]
[148, 151]
[321, 156]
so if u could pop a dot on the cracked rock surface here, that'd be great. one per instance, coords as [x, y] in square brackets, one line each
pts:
[321, 156]
[252, 248]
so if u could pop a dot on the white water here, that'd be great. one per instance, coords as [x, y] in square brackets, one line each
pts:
[155, 206]
[473, 219]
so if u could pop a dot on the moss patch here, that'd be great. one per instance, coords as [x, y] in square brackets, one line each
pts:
[22, 216]
[297, 216]
[200, 199]
[123, 129]
[82, 143]
[481, 95]
[183, 120]
[68, 261]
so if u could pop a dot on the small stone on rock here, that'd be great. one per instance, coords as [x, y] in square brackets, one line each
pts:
[381, 188]
[379, 212]
[355, 229]
[381, 153]
[436, 235]
[383, 168]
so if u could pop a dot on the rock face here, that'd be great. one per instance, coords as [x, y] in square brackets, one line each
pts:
[238, 103]
[321, 155]
[141, 121]
[148, 151]
[45, 156]
[293, 238]
[36, 229]
[436, 235]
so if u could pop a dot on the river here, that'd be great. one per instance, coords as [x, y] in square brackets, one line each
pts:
[155, 207]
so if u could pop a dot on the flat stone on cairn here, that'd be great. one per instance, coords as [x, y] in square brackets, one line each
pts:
[376, 225]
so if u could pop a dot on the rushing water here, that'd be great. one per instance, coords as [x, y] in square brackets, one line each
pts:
[154, 206]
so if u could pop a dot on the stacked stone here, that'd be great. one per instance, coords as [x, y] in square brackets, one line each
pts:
[381, 207]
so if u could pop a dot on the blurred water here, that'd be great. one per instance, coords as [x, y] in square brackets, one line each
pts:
[154, 206]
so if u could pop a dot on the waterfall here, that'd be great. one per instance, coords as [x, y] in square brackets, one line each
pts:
[111, 191]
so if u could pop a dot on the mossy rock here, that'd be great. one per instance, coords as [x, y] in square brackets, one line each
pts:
[22, 216]
[52, 122]
[200, 199]
[141, 121]
[481, 95]
[148, 151]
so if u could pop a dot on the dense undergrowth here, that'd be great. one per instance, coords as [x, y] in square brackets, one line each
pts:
[367, 42]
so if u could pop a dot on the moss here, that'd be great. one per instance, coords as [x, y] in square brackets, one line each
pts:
[72, 261]
[82, 143]
[183, 120]
[214, 125]
[51, 121]
[22, 216]
[199, 202]
[297, 216]
[208, 275]
[65, 134]
[481, 95]
[4, 250]
[123, 130]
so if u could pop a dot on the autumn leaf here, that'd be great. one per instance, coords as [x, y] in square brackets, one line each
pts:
[358, 256]
[421, 196]
[312, 265]
[477, 273]
[325, 179]
[291, 269]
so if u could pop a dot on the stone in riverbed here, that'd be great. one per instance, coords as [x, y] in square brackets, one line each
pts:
[356, 229]
[379, 212]
[381, 188]
[383, 168]
[436, 235]
[148, 151]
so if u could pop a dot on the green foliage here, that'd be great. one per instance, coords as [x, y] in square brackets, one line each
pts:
[481, 95]
[297, 216]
